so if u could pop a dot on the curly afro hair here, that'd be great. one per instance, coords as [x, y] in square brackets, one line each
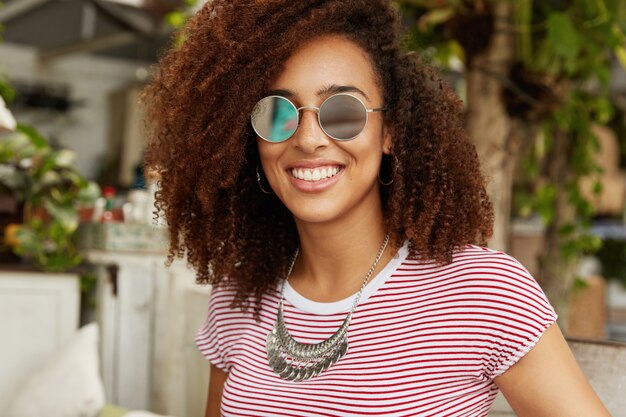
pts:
[204, 151]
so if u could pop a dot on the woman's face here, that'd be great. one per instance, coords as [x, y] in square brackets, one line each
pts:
[319, 69]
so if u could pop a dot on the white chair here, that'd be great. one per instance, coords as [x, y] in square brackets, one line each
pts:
[604, 365]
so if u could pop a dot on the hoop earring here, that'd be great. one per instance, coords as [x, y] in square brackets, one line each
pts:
[258, 180]
[394, 166]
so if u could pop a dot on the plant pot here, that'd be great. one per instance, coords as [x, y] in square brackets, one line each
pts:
[11, 213]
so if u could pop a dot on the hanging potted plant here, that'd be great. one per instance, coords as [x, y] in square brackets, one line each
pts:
[46, 183]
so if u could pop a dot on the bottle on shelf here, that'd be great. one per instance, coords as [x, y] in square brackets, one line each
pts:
[109, 196]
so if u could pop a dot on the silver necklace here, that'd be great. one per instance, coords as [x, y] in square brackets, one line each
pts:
[295, 361]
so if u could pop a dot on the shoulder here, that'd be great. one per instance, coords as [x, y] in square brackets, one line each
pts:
[224, 303]
[483, 255]
[488, 265]
[498, 284]
[501, 301]
[471, 262]
[486, 282]
[221, 297]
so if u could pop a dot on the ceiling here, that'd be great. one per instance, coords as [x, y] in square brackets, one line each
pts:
[128, 29]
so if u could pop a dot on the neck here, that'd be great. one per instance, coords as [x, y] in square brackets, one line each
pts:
[336, 256]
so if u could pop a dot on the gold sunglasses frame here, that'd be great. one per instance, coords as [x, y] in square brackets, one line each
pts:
[317, 110]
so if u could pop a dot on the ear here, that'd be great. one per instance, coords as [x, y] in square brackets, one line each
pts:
[387, 140]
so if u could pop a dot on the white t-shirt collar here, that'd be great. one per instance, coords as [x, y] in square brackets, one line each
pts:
[302, 303]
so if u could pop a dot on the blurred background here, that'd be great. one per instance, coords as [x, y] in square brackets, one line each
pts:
[544, 85]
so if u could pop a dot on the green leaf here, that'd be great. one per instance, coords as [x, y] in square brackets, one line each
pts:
[65, 215]
[579, 283]
[435, 17]
[6, 91]
[603, 74]
[89, 193]
[569, 250]
[72, 176]
[46, 162]
[530, 165]
[603, 110]
[597, 187]
[28, 241]
[567, 229]
[544, 202]
[56, 234]
[562, 39]
[13, 179]
[176, 19]
[34, 136]
[15, 147]
[50, 178]
[620, 53]
[64, 157]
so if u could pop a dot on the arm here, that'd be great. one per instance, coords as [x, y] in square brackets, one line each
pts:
[548, 382]
[216, 383]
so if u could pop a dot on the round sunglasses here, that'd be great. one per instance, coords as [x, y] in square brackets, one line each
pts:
[341, 116]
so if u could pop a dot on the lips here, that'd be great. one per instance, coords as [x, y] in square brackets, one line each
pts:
[314, 176]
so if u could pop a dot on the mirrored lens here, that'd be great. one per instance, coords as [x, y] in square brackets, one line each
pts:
[274, 119]
[343, 116]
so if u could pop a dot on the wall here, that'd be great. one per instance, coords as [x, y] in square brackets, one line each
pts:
[84, 129]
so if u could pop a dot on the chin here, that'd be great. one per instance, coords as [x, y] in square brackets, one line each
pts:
[311, 215]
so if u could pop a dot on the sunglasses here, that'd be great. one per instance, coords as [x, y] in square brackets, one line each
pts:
[341, 117]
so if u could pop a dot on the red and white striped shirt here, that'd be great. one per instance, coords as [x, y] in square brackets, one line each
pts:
[425, 340]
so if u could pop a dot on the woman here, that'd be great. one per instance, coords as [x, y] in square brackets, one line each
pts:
[320, 179]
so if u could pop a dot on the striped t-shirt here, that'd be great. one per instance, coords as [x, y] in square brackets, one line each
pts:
[425, 340]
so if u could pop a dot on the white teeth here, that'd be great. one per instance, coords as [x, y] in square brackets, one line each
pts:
[314, 174]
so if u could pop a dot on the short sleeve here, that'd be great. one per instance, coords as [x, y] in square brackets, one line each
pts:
[520, 315]
[209, 337]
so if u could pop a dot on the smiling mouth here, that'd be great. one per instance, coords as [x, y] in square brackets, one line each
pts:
[317, 174]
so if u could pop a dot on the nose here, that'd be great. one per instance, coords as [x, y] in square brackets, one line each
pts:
[309, 137]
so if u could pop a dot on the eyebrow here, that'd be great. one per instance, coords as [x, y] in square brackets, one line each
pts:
[325, 90]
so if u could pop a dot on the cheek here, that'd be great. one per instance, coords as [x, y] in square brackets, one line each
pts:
[265, 151]
[368, 152]
[269, 154]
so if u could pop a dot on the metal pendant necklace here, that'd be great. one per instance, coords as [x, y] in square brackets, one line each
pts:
[295, 361]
